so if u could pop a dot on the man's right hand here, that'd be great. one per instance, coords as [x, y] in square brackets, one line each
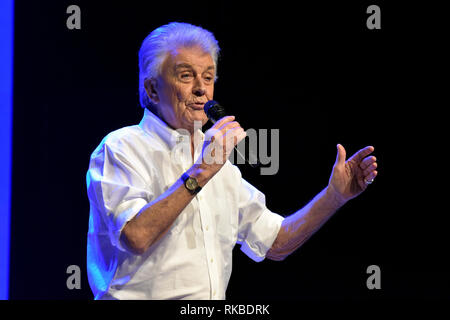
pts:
[220, 140]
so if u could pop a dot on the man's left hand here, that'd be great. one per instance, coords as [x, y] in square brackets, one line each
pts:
[350, 178]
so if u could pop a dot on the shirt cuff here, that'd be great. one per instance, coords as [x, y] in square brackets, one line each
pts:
[125, 212]
[262, 236]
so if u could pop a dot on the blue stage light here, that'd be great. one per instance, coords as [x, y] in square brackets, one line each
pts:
[6, 104]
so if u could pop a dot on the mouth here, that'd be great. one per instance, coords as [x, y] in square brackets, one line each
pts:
[197, 105]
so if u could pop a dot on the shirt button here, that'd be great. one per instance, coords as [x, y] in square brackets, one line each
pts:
[212, 260]
[206, 228]
[214, 293]
[180, 139]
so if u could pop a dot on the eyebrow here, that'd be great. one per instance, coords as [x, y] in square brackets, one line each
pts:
[188, 66]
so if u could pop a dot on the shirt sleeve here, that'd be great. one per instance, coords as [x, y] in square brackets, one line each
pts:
[116, 189]
[258, 226]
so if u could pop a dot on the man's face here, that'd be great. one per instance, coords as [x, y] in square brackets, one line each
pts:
[186, 83]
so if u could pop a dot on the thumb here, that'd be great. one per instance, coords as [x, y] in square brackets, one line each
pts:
[341, 154]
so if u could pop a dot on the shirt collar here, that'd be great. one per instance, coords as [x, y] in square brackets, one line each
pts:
[153, 125]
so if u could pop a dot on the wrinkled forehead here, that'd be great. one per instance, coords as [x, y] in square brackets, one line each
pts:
[195, 57]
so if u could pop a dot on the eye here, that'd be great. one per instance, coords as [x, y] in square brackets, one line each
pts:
[208, 78]
[185, 76]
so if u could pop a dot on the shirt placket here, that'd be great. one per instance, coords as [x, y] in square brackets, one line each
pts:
[208, 241]
[208, 229]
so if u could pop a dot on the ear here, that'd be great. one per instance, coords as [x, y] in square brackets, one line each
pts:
[150, 87]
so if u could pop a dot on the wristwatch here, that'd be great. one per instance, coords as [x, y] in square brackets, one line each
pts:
[191, 183]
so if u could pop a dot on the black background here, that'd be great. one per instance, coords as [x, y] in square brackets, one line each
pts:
[315, 72]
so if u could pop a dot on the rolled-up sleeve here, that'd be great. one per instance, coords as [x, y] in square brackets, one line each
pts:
[258, 226]
[116, 190]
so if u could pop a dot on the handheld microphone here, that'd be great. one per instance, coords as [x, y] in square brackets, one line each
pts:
[214, 111]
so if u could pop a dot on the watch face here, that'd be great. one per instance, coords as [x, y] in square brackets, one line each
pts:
[191, 184]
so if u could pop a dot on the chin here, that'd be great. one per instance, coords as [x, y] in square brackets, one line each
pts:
[199, 116]
[203, 120]
[189, 121]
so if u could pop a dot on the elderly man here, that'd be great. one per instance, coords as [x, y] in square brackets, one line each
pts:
[163, 223]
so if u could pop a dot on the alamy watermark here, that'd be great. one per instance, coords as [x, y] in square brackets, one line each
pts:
[74, 20]
[374, 280]
[74, 279]
[260, 145]
[374, 20]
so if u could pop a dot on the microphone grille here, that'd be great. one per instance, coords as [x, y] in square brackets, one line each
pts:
[214, 110]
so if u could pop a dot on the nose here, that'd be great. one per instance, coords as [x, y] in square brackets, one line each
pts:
[199, 88]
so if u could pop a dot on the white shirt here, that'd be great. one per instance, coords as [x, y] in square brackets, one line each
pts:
[134, 165]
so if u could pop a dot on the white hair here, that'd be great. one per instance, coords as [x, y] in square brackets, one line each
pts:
[165, 39]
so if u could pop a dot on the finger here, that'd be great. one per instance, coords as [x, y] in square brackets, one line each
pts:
[238, 134]
[226, 135]
[232, 133]
[233, 137]
[361, 154]
[367, 162]
[227, 130]
[370, 168]
[212, 134]
[222, 121]
[240, 137]
[341, 154]
[370, 176]
[229, 125]
[216, 132]
[364, 181]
